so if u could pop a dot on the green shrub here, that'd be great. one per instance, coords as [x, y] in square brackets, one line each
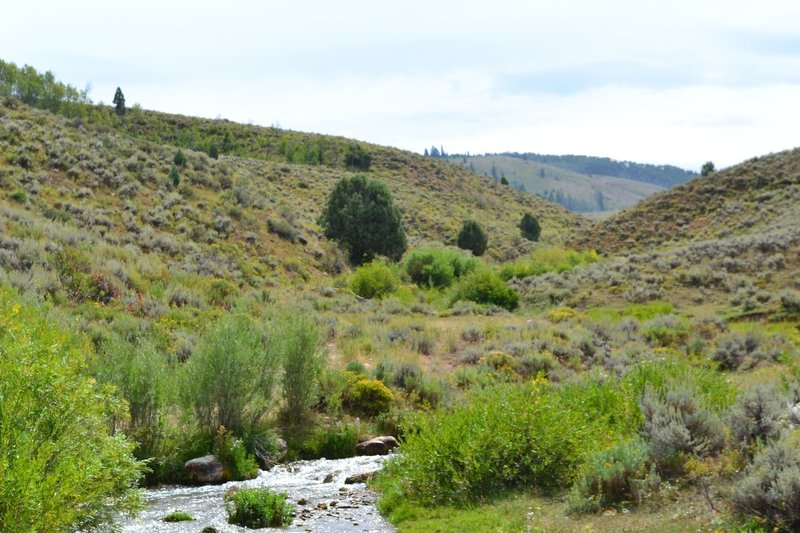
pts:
[611, 477]
[298, 340]
[258, 507]
[368, 397]
[177, 516]
[484, 287]
[374, 280]
[229, 379]
[61, 467]
[473, 238]
[547, 259]
[237, 463]
[19, 196]
[665, 331]
[335, 442]
[360, 215]
[661, 376]
[504, 437]
[179, 159]
[357, 157]
[144, 376]
[529, 227]
[437, 267]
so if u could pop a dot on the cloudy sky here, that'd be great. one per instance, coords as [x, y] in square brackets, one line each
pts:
[679, 82]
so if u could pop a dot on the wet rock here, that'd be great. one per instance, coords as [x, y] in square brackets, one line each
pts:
[328, 478]
[209, 530]
[358, 478]
[206, 470]
[377, 446]
[323, 506]
[302, 501]
[233, 489]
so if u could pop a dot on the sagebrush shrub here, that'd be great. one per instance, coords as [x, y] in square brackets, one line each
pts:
[770, 490]
[758, 416]
[677, 427]
[612, 477]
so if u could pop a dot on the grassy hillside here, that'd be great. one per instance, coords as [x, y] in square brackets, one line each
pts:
[757, 197]
[575, 191]
[535, 388]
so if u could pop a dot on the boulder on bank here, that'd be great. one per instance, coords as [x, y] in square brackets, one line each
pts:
[206, 470]
[359, 478]
[377, 446]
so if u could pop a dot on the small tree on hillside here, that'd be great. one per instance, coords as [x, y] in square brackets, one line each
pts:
[119, 102]
[708, 169]
[360, 215]
[530, 228]
[472, 237]
[357, 158]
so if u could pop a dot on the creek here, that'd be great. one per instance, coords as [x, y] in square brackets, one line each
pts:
[328, 505]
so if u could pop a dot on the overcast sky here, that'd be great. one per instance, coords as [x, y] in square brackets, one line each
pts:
[678, 82]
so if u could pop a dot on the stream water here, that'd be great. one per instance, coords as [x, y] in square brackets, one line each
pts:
[326, 506]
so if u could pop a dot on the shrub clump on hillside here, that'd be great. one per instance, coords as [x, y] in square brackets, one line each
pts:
[437, 267]
[472, 237]
[504, 437]
[485, 287]
[374, 280]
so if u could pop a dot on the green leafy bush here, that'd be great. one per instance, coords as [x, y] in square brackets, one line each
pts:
[238, 464]
[473, 238]
[614, 476]
[368, 397]
[504, 437]
[485, 287]
[374, 280]
[437, 267]
[61, 467]
[258, 507]
[548, 259]
[335, 442]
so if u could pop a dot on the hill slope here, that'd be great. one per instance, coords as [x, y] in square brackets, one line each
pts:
[105, 196]
[576, 191]
[759, 196]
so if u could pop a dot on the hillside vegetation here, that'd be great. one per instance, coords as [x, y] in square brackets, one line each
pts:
[175, 270]
[577, 191]
[756, 197]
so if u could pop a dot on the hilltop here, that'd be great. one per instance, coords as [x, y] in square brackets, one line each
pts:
[757, 197]
[579, 183]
